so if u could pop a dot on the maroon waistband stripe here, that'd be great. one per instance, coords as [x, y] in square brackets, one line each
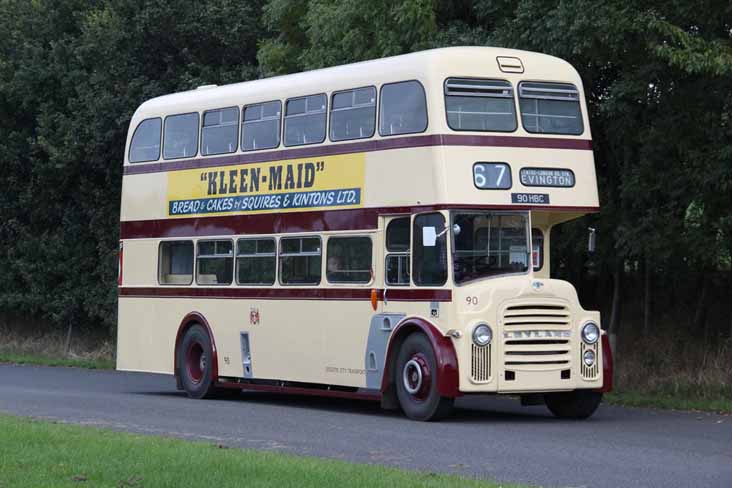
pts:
[364, 146]
[294, 222]
[356, 294]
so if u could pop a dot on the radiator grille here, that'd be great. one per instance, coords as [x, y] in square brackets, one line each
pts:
[589, 372]
[481, 363]
[537, 336]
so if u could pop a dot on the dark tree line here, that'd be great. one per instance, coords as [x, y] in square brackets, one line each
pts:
[658, 76]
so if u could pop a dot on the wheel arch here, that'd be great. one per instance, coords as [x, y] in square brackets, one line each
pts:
[191, 319]
[448, 378]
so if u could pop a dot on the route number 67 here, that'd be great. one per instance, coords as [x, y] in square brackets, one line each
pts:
[492, 176]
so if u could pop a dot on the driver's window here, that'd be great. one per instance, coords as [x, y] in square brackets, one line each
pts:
[429, 266]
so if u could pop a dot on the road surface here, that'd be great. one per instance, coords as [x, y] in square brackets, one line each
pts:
[486, 437]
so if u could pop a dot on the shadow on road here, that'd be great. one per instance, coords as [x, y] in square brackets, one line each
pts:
[470, 409]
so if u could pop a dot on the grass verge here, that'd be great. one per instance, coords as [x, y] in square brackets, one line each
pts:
[672, 401]
[48, 361]
[39, 453]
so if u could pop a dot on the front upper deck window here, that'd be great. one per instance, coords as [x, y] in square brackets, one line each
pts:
[305, 120]
[180, 139]
[489, 244]
[480, 105]
[550, 108]
[403, 108]
[145, 145]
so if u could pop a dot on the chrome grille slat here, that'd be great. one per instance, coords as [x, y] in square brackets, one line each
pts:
[537, 351]
[481, 363]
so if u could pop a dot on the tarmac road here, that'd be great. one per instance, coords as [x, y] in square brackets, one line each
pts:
[486, 436]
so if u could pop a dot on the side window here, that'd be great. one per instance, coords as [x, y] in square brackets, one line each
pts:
[349, 260]
[305, 119]
[403, 109]
[429, 267]
[220, 131]
[215, 263]
[300, 260]
[537, 251]
[397, 248]
[550, 108]
[175, 263]
[181, 136]
[480, 105]
[261, 126]
[256, 261]
[145, 145]
[353, 114]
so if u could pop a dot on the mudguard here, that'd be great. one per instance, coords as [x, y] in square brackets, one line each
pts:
[187, 322]
[448, 379]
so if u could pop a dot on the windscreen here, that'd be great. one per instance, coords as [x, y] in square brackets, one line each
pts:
[489, 244]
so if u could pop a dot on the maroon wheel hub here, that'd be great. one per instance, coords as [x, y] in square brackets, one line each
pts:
[417, 377]
[195, 362]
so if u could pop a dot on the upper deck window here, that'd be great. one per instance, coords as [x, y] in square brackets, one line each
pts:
[480, 105]
[403, 108]
[261, 126]
[145, 145]
[550, 108]
[181, 136]
[353, 114]
[220, 131]
[305, 120]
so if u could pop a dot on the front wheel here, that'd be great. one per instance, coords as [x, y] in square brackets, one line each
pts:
[578, 404]
[416, 380]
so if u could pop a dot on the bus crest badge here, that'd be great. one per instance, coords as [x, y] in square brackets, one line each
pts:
[537, 285]
[253, 316]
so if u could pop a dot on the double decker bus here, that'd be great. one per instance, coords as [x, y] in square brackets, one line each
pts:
[378, 230]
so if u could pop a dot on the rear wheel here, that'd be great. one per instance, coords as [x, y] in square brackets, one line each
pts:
[195, 366]
[415, 376]
[578, 404]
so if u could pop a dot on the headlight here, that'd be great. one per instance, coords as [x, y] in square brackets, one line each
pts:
[590, 333]
[589, 358]
[482, 335]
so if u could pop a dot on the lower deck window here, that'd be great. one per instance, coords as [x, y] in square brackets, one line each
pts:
[300, 261]
[349, 260]
[175, 263]
[215, 263]
[537, 252]
[255, 262]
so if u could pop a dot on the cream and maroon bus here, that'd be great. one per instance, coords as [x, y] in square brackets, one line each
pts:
[378, 230]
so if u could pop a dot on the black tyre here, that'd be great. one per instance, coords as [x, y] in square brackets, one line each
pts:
[578, 404]
[195, 356]
[415, 376]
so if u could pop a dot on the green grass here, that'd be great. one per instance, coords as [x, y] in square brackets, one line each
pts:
[721, 403]
[50, 361]
[39, 454]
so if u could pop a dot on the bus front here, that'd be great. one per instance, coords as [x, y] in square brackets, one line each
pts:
[516, 330]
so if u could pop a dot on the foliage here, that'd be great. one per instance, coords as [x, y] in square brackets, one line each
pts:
[657, 75]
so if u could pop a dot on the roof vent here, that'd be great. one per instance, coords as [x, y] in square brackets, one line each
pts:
[206, 87]
[509, 64]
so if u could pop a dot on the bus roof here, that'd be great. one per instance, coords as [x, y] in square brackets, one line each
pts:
[426, 66]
